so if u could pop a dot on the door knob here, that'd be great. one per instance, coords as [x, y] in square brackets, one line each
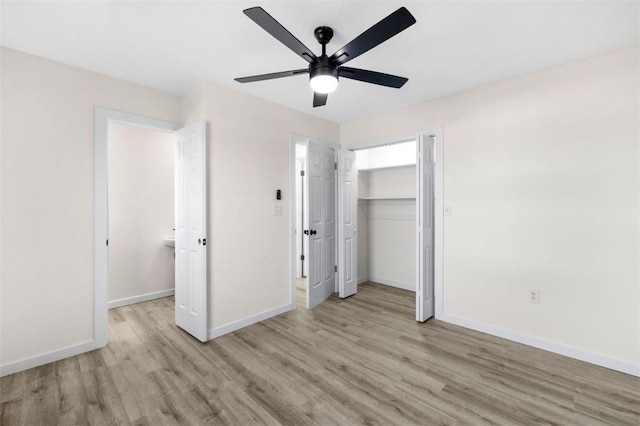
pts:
[313, 232]
[306, 232]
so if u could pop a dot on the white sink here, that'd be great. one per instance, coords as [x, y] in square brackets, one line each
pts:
[169, 241]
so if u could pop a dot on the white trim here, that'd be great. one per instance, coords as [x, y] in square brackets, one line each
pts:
[47, 358]
[392, 283]
[141, 298]
[102, 117]
[555, 347]
[383, 141]
[438, 223]
[362, 280]
[303, 139]
[293, 272]
[245, 322]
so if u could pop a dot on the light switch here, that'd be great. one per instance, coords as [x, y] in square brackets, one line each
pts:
[277, 210]
[447, 210]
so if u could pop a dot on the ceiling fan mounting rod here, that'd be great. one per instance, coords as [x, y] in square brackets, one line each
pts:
[324, 36]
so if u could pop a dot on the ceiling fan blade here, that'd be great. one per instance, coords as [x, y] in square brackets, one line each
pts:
[271, 76]
[373, 77]
[398, 21]
[319, 99]
[273, 27]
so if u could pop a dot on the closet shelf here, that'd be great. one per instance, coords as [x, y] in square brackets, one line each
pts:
[386, 198]
[401, 166]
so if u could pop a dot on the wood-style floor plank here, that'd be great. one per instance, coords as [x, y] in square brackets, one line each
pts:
[361, 360]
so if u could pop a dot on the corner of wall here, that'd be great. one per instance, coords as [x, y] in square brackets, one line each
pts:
[194, 104]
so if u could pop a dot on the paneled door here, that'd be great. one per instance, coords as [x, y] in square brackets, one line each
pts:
[321, 208]
[191, 230]
[348, 226]
[424, 216]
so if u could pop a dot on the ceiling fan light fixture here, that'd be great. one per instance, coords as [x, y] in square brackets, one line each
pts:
[323, 79]
[323, 83]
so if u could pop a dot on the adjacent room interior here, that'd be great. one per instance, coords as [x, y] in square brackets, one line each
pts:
[302, 243]
[141, 214]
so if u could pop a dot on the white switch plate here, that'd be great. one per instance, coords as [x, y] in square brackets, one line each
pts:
[447, 210]
[534, 295]
[277, 210]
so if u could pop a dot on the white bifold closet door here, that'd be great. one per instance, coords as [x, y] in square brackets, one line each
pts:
[348, 225]
[321, 209]
[425, 225]
[191, 230]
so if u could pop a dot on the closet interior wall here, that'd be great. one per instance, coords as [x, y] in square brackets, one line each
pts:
[387, 215]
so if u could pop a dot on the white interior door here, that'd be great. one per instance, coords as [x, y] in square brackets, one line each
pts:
[321, 208]
[348, 225]
[424, 216]
[191, 230]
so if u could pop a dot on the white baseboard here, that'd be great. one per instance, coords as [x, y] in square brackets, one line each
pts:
[48, 357]
[392, 283]
[362, 280]
[236, 325]
[142, 298]
[558, 348]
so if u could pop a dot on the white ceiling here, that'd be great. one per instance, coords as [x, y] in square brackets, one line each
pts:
[454, 46]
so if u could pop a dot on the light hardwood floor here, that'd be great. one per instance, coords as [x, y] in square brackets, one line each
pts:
[362, 360]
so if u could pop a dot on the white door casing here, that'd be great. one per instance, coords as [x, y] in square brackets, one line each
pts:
[191, 232]
[102, 118]
[321, 208]
[348, 225]
[425, 227]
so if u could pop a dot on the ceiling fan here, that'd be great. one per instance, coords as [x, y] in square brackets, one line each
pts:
[324, 70]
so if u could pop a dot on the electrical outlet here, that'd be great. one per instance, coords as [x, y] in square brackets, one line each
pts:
[534, 295]
[447, 210]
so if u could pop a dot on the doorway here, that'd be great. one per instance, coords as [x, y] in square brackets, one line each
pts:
[313, 220]
[429, 165]
[141, 214]
[382, 184]
[301, 222]
[386, 177]
[190, 219]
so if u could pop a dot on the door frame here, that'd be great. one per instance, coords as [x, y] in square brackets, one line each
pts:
[438, 210]
[293, 140]
[102, 118]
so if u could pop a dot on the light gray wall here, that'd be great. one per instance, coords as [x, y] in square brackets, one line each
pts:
[248, 149]
[542, 173]
[46, 282]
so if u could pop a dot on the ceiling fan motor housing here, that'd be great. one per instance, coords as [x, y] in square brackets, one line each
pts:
[323, 67]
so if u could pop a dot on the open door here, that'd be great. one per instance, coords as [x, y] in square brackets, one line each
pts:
[348, 225]
[191, 230]
[321, 208]
[424, 216]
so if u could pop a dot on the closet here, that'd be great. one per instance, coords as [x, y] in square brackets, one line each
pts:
[387, 215]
